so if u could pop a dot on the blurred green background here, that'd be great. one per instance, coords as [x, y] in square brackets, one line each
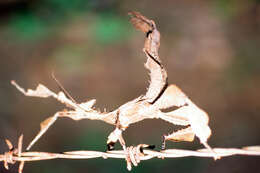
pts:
[210, 49]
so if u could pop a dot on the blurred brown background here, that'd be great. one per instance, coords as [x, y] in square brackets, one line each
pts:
[210, 49]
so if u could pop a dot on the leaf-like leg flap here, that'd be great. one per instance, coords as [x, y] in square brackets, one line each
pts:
[181, 135]
[44, 92]
[186, 134]
[172, 96]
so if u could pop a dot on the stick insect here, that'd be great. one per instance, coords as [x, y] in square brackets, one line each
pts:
[158, 97]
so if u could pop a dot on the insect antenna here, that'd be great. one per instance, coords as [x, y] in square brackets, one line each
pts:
[66, 92]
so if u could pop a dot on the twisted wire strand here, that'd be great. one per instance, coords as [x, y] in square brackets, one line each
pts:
[147, 154]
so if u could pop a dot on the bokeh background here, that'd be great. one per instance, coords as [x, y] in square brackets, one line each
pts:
[210, 49]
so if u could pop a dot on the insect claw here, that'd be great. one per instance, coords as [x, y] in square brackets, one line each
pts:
[110, 146]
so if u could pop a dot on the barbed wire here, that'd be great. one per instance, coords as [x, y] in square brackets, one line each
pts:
[132, 155]
[147, 154]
